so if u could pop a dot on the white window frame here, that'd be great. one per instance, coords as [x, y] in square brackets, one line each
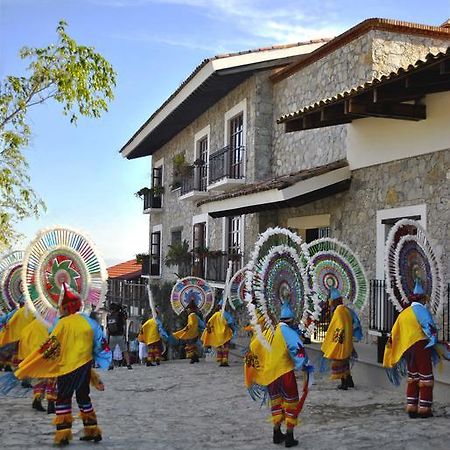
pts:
[241, 107]
[393, 213]
[156, 229]
[204, 132]
[225, 233]
[160, 163]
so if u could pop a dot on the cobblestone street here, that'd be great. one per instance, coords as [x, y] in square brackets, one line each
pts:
[202, 406]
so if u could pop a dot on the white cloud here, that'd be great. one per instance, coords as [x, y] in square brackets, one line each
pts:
[254, 20]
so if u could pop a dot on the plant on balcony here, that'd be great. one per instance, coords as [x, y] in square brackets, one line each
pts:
[216, 253]
[181, 169]
[141, 192]
[157, 191]
[179, 255]
[140, 257]
[200, 252]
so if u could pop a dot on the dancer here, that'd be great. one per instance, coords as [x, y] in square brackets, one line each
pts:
[274, 369]
[10, 335]
[412, 338]
[68, 354]
[338, 343]
[190, 333]
[219, 330]
[151, 333]
[31, 339]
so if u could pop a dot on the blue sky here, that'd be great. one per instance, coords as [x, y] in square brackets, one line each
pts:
[153, 45]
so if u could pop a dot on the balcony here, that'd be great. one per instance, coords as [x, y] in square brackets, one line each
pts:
[193, 185]
[227, 168]
[152, 202]
[217, 264]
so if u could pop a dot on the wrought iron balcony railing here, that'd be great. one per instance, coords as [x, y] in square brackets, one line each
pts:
[227, 163]
[152, 201]
[195, 180]
[216, 265]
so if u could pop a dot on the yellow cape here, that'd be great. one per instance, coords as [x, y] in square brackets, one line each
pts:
[263, 366]
[149, 333]
[190, 331]
[338, 342]
[405, 332]
[217, 331]
[14, 327]
[31, 338]
[68, 347]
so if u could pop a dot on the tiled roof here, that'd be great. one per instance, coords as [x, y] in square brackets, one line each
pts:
[127, 270]
[367, 25]
[222, 56]
[280, 182]
[429, 59]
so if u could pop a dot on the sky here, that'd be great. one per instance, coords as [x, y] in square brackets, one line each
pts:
[153, 45]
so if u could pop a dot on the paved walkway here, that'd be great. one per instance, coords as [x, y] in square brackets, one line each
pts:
[202, 406]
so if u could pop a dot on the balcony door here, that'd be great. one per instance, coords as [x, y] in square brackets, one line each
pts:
[202, 153]
[199, 245]
[236, 146]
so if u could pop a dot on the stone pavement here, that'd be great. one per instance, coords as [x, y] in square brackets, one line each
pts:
[202, 406]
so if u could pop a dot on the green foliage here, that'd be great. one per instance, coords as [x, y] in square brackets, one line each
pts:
[179, 255]
[140, 257]
[141, 192]
[71, 74]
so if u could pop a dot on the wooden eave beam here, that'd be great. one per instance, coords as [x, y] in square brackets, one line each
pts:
[444, 67]
[402, 111]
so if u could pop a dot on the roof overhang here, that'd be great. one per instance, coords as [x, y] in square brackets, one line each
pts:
[297, 194]
[395, 96]
[211, 81]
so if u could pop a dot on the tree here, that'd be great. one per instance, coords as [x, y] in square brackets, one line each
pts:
[71, 74]
[178, 254]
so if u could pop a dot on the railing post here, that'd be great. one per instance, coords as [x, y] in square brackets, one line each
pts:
[197, 178]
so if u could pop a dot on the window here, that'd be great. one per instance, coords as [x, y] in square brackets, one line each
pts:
[236, 146]
[175, 237]
[155, 254]
[233, 235]
[312, 234]
[199, 245]
[202, 153]
[157, 177]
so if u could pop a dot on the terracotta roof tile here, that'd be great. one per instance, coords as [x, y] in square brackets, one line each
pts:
[280, 182]
[429, 59]
[126, 270]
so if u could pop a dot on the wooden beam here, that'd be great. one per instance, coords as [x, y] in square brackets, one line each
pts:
[397, 94]
[444, 67]
[402, 111]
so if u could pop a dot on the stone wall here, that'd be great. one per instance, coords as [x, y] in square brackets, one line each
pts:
[178, 213]
[411, 181]
[371, 55]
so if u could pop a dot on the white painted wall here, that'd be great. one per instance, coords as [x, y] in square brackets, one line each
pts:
[374, 141]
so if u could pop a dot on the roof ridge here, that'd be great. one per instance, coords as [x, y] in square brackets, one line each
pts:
[356, 31]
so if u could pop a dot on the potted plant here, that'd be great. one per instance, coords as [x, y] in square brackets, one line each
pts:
[157, 191]
[141, 192]
[140, 257]
[181, 169]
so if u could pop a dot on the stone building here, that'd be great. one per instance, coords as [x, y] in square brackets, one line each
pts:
[349, 136]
